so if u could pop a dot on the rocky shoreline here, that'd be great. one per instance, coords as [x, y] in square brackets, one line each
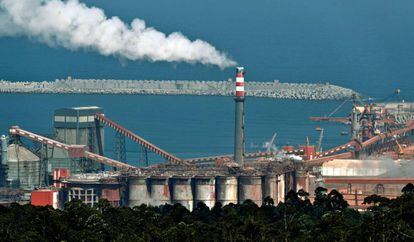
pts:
[274, 89]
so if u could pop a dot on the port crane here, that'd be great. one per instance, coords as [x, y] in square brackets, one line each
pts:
[329, 118]
[270, 145]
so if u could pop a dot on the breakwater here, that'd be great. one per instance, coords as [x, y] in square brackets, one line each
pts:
[274, 89]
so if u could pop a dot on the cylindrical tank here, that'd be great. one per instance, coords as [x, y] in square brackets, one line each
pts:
[205, 190]
[160, 191]
[281, 188]
[270, 189]
[182, 192]
[226, 190]
[250, 187]
[138, 191]
[312, 186]
[302, 181]
[4, 142]
[23, 167]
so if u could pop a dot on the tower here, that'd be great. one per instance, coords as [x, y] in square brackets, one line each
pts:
[77, 126]
[239, 117]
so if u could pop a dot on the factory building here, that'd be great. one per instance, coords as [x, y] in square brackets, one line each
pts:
[29, 167]
[77, 149]
[77, 126]
[357, 179]
[90, 187]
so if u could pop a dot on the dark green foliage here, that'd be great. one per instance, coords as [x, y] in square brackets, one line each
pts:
[327, 219]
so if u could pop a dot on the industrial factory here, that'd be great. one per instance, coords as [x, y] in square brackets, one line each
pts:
[72, 163]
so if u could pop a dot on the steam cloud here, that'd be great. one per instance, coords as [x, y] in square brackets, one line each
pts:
[74, 25]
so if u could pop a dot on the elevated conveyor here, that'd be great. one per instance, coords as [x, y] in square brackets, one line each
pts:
[141, 141]
[74, 151]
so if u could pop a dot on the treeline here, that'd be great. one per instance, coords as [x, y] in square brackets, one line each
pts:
[328, 218]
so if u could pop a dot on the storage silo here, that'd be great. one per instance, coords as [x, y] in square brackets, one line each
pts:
[3, 164]
[23, 167]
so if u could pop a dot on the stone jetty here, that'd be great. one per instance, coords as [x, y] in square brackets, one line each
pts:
[272, 89]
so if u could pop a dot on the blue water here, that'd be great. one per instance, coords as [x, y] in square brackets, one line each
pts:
[188, 126]
[364, 45]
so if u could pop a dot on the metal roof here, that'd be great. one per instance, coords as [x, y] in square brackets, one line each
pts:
[20, 153]
[78, 111]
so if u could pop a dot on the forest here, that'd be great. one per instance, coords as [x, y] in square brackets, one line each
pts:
[328, 218]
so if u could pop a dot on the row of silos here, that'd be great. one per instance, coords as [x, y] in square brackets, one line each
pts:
[188, 191]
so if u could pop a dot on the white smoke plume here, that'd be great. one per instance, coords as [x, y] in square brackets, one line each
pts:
[74, 25]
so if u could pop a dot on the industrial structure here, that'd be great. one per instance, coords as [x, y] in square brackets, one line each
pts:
[71, 163]
[239, 116]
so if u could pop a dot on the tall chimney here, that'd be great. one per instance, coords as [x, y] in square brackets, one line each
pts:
[239, 122]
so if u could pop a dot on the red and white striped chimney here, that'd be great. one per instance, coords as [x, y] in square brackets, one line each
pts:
[240, 82]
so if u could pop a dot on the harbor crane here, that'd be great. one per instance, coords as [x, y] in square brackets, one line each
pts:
[270, 145]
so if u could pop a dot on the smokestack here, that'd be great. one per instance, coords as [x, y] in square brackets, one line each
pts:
[239, 121]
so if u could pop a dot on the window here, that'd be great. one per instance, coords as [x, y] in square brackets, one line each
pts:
[87, 196]
[83, 119]
[59, 118]
[73, 119]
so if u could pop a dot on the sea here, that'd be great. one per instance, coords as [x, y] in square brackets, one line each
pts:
[363, 45]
